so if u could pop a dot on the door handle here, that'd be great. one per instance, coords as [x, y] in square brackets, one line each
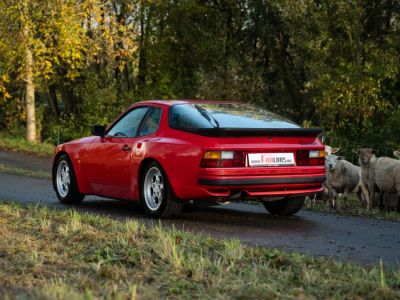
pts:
[126, 148]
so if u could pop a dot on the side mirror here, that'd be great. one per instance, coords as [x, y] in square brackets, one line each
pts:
[99, 130]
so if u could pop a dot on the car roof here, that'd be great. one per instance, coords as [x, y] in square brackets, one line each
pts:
[172, 102]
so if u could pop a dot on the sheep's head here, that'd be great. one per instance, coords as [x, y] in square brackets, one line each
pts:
[331, 162]
[329, 150]
[366, 155]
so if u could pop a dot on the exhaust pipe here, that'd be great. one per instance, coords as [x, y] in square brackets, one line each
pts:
[237, 196]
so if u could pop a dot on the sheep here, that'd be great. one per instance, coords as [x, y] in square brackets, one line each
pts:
[311, 200]
[382, 173]
[367, 161]
[344, 177]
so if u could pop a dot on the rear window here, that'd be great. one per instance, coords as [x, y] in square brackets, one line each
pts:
[225, 115]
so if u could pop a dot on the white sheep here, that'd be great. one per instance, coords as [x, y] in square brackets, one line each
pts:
[382, 173]
[310, 201]
[342, 177]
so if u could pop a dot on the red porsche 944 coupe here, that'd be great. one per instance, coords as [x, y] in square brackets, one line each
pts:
[166, 153]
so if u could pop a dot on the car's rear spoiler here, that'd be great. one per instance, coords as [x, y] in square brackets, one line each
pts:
[241, 132]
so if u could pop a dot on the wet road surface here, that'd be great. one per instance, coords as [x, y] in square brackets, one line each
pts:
[355, 239]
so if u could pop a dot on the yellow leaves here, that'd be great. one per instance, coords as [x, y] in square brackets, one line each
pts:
[6, 95]
[72, 74]
[65, 35]
[4, 80]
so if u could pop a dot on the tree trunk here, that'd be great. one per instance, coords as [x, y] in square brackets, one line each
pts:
[30, 88]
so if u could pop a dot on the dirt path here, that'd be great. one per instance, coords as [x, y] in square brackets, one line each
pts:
[24, 161]
[355, 239]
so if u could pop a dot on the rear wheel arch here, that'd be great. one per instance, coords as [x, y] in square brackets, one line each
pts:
[142, 168]
[147, 161]
[169, 204]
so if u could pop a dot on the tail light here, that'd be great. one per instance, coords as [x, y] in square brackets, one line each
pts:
[223, 159]
[310, 158]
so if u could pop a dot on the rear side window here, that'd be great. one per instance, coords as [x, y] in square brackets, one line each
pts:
[225, 115]
[152, 122]
[129, 124]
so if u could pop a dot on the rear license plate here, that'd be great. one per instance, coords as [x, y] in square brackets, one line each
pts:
[271, 159]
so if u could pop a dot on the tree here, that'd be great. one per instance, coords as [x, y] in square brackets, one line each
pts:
[29, 79]
[326, 63]
[16, 45]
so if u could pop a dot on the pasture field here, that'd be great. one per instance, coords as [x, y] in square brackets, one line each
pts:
[53, 254]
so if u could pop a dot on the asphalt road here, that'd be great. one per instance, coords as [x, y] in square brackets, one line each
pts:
[355, 239]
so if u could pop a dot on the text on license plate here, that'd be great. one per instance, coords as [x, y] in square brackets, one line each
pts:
[271, 159]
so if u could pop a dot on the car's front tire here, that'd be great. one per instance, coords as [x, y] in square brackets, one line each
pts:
[156, 195]
[64, 182]
[285, 207]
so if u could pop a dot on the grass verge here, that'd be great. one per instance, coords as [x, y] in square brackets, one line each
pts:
[24, 172]
[20, 144]
[354, 208]
[52, 254]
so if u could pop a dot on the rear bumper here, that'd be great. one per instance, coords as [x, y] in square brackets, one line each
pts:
[262, 186]
[257, 183]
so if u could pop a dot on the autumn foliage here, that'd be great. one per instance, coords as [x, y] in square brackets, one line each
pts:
[333, 64]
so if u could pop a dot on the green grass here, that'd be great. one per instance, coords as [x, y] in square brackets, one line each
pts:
[21, 145]
[354, 208]
[24, 172]
[53, 254]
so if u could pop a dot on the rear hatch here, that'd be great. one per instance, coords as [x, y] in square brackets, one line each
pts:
[249, 136]
[250, 151]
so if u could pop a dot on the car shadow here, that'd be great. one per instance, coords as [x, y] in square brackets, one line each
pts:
[231, 218]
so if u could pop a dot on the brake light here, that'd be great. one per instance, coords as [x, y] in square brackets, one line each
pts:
[310, 158]
[223, 159]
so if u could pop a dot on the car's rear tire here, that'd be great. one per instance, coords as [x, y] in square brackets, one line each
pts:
[64, 182]
[156, 195]
[285, 207]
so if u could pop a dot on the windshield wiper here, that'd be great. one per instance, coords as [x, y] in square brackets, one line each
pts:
[207, 116]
